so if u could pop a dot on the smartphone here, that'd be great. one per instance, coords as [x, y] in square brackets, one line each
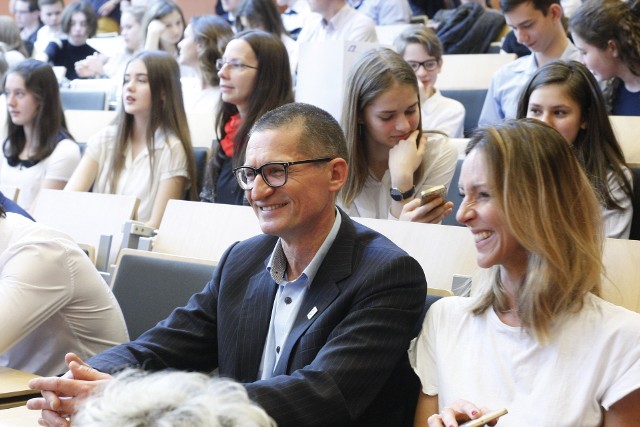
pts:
[479, 422]
[431, 193]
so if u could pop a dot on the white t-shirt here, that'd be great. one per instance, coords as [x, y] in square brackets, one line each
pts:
[58, 166]
[136, 177]
[348, 24]
[593, 360]
[443, 114]
[374, 201]
[52, 300]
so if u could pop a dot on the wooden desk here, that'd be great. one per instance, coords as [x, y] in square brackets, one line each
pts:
[19, 417]
[13, 388]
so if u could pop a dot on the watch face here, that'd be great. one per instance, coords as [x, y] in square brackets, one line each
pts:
[398, 195]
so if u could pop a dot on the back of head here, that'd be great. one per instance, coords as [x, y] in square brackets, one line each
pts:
[80, 7]
[542, 5]
[599, 22]
[40, 80]
[321, 135]
[595, 145]
[211, 34]
[373, 73]
[10, 35]
[262, 15]
[551, 210]
[170, 399]
[421, 35]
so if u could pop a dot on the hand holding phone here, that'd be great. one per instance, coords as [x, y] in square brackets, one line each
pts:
[432, 193]
[479, 422]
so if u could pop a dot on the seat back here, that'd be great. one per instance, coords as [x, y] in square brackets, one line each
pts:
[149, 286]
[83, 124]
[75, 99]
[473, 100]
[471, 71]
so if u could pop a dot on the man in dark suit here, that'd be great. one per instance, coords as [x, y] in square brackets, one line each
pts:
[314, 317]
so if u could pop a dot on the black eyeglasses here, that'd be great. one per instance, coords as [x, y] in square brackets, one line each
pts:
[428, 65]
[234, 65]
[274, 174]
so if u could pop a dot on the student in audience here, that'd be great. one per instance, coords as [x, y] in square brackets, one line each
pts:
[174, 398]
[537, 25]
[204, 41]
[148, 152]
[230, 7]
[163, 27]
[295, 15]
[607, 33]
[421, 48]
[108, 12]
[27, 14]
[337, 20]
[99, 65]
[391, 160]
[51, 17]
[14, 50]
[566, 96]
[384, 12]
[52, 299]
[535, 330]
[39, 152]
[263, 15]
[79, 23]
[255, 77]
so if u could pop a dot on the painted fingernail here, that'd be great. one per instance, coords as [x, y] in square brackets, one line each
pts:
[474, 413]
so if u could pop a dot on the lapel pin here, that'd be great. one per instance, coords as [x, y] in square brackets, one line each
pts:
[312, 313]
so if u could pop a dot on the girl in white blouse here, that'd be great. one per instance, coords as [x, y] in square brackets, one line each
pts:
[148, 153]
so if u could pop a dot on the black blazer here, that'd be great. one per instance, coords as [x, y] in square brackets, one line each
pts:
[345, 365]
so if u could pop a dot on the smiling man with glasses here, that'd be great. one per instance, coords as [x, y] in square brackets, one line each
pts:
[314, 317]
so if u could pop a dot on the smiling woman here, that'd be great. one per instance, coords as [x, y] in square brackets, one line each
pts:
[390, 159]
[537, 302]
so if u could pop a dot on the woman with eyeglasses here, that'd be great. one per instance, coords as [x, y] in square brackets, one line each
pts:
[422, 49]
[390, 160]
[254, 78]
[39, 152]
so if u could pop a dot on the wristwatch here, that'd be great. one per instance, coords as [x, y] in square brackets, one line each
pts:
[399, 196]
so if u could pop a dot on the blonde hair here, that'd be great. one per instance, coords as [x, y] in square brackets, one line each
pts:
[374, 72]
[551, 209]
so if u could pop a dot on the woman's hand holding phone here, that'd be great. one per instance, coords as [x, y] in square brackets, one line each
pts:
[467, 412]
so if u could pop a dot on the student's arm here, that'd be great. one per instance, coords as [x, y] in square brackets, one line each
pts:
[625, 412]
[427, 406]
[172, 188]
[154, 30]
[84, 175]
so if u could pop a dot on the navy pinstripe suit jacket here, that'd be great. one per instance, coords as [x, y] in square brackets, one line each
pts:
[346, 365]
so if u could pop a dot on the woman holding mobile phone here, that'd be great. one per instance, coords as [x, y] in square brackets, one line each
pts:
[391, 161]
[534, 336]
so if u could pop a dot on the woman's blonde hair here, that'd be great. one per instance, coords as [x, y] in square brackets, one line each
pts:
[374, 72]
[551, 209]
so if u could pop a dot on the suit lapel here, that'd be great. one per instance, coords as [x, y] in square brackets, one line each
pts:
[323, 290]
[253, 325]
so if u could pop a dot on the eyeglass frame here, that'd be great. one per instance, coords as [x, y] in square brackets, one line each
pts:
[258, 171]
[423, 64]
[220, 63]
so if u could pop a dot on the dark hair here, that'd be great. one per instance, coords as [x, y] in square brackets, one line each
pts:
[272, 87]
[211, 34]
[541, 5]
[49, 2]
[49, 123]
[596, 146]
[33, 5]
[167, 113]
[261, 14]
[599, 21]
[323, 136]
[89, 13]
